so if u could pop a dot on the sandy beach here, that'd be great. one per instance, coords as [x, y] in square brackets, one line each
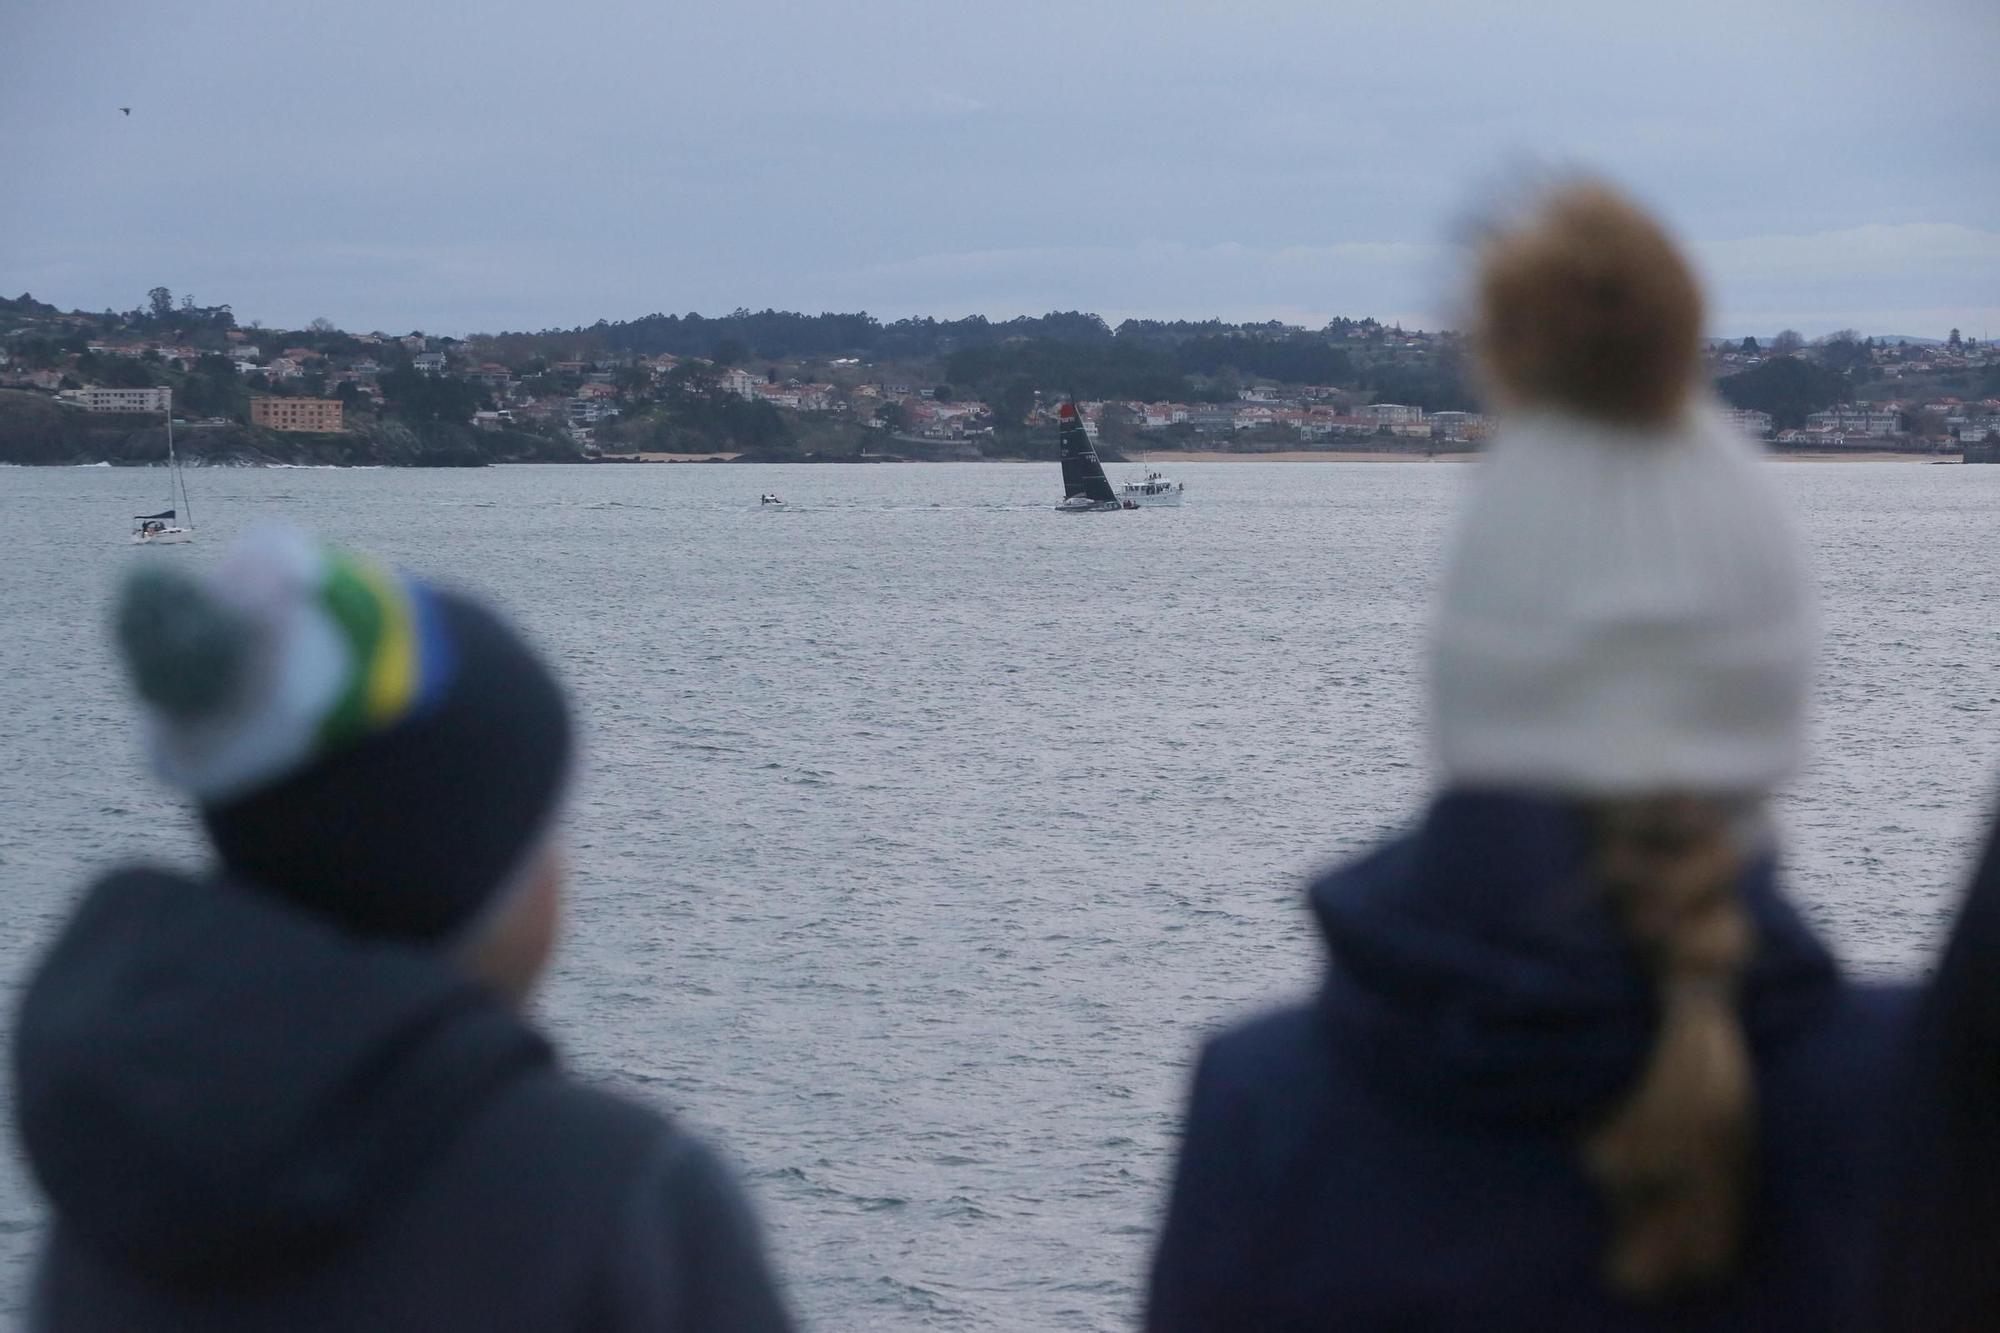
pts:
[1384, 456]
[670, 458]
[1304, 456]
[1864, 456]
[1171, 456]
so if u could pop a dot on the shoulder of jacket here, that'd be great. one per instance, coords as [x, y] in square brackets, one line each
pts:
[1273, 1057]
[572, 1106]
[553, 1127]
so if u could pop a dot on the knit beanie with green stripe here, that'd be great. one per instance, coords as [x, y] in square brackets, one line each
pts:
[374, 750]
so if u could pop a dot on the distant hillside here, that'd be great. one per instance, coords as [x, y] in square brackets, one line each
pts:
[786, 384]
[777, 335]
[1884, 339]
[36, 429]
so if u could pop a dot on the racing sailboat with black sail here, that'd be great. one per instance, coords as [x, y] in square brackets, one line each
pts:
[1086, 490]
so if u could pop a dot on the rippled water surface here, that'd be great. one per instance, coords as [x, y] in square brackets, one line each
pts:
[924, 831]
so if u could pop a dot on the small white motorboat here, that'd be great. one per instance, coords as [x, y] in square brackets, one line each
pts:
[1152, 490]
[768, 499]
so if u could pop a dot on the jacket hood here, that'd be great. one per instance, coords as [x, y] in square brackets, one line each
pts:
[211, 1085]
[1477, 970]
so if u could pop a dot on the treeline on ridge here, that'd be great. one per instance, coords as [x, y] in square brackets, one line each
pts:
[1064, 352]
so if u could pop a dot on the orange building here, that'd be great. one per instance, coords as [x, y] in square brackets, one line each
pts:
[318, 415]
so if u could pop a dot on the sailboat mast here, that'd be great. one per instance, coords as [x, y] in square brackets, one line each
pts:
[174, 464]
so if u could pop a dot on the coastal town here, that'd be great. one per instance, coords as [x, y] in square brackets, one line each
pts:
[965, 391]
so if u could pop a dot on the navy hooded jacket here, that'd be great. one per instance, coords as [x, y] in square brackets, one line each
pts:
[246, 1120]
[1943, 1233]
[1404, 1152]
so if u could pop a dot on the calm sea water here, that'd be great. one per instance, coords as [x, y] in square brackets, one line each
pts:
[925, 831]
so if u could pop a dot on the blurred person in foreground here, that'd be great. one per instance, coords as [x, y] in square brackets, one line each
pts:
[1943, 1265]
[1577, 1063]
[297, 1091]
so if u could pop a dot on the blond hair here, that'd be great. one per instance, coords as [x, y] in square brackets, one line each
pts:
[1673, 1158]
[1587, 304]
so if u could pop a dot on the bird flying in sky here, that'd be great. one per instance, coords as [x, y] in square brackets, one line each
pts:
[126, 109]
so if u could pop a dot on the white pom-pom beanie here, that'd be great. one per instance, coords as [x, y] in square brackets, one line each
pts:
[1625, 611]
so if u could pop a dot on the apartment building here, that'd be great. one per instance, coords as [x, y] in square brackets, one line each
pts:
[1749, 420]
[320, 416]
[1858, 420]
[96, 399]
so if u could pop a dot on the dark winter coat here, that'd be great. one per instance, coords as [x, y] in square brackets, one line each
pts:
[246, 1120]
[1943, 1273]
[1403, 1153]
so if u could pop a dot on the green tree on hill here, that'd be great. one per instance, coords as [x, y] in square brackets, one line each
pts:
[1436, 384]
[1011, 400]
[214, 389]
[421, 399]
[1843, 351]
[1103, 369]
[1788, 387]
[1117, 426]
[700, 413]
[633, 381]
[39, 353]
[1296, 358]
[124, 372]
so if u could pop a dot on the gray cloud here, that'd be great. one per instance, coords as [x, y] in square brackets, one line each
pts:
[472, 166]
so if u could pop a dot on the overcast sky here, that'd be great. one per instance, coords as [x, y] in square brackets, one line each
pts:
[464, 167]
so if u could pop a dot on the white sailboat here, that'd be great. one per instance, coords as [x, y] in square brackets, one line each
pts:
[167, 528]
